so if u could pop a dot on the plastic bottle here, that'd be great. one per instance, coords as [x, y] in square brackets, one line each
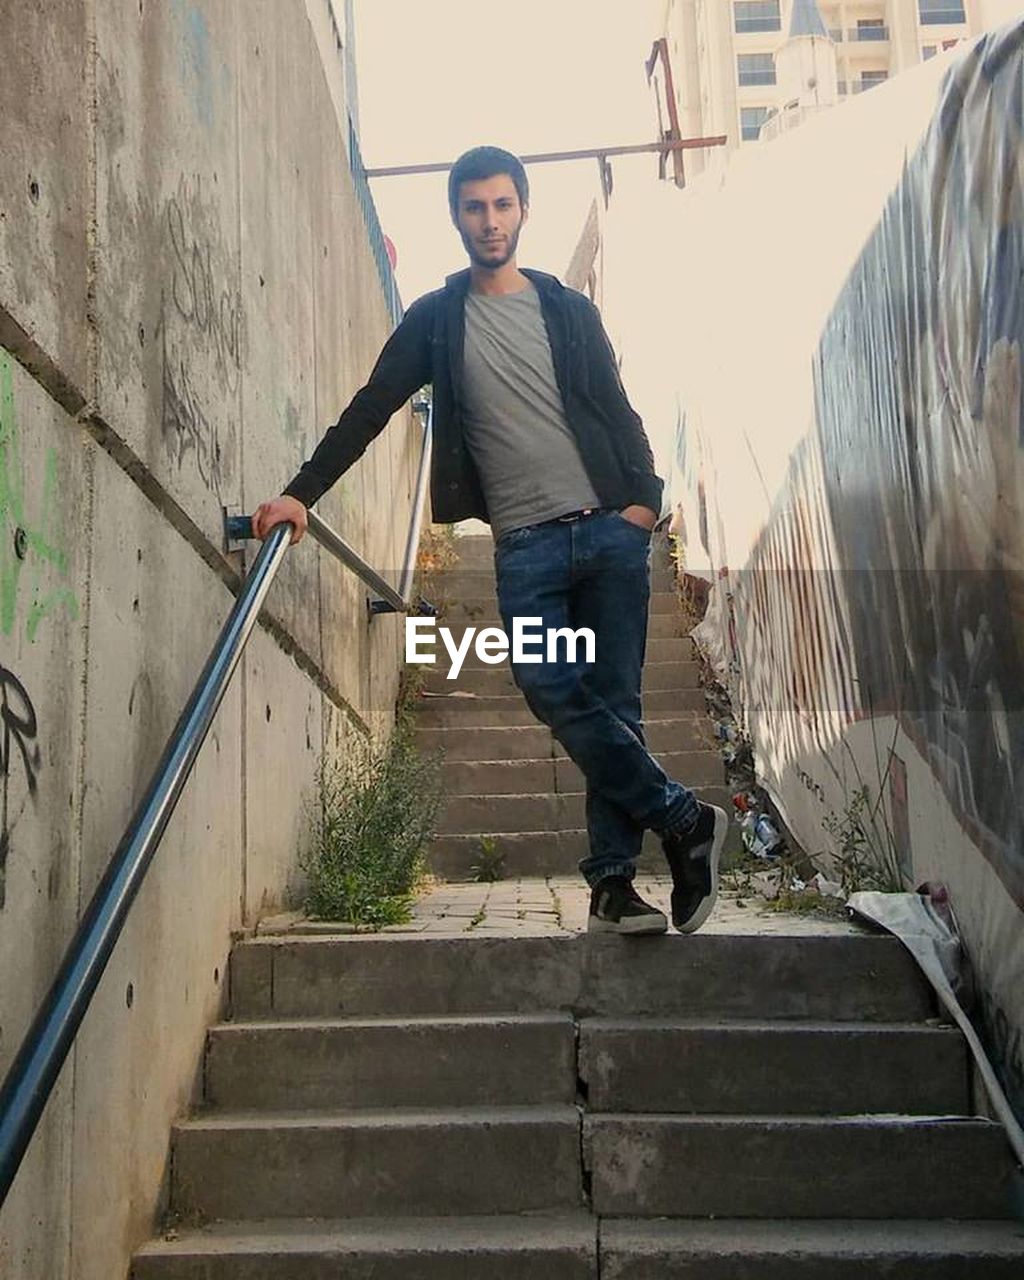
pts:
[768, 836]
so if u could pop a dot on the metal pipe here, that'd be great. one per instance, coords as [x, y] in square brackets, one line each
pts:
[333, 542]
[239, 528]
[412, 542]
[548, 157]
[35, 1068]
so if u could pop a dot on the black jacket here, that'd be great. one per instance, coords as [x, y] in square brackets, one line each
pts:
[428, 347]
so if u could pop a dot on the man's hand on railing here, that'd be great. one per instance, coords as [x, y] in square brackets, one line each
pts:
[281, 510]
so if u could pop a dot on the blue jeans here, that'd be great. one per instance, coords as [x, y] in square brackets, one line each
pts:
[594, 572]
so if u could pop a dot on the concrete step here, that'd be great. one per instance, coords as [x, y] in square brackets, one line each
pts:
[497, 680]
[498, 777]
[474, 550]
[798, 1167]
[829, 1250]
[457, 708]
[549, 851]
[662, 649]
[528, 854]
[855, 976]
[771, 1068]
[564, 1247]
[467, 815]
[462, 710]
[660, 626]
[494, 1160]
[500, 742]
[477, 582]
[416, 1062]
[482, 610]
[534, 742]
[475, 815]
[540, 1246]
[700, 770]
[519, 777]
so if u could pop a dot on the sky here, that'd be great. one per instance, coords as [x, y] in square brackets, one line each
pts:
[436, 77]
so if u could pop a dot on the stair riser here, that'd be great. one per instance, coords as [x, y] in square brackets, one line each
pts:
[698, 770]
[539, 777]
[456, 714]
[498, 777]
[546, 852]
[774, 1071]
[496, 681]
[337, 1172]
[660, 626]
[655, 1166]
[459, 712]
[468, 815]
[475, 549]
[493, 1263]
[672, 649]
[482, 610]
[528, 853]
[409, 1066]
[534, 742]
[478, 582]
[841, 978]
[674, 1264]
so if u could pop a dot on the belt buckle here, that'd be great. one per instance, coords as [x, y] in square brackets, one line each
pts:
[573, 516]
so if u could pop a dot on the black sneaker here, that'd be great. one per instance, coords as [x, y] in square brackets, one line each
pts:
[693, 860]
[616, 907]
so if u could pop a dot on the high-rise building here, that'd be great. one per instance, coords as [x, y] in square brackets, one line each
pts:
[751, 68]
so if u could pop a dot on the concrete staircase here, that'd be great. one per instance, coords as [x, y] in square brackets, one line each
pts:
[724, 1107]
[505, 775]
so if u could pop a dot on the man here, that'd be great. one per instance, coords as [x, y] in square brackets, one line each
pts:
[533, 432]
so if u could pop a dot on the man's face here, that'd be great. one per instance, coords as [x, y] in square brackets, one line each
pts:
[489, 220]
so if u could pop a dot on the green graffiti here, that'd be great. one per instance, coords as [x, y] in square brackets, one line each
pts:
[29, 550]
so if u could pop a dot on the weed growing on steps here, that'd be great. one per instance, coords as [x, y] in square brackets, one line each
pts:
[491, 862]
[370, 821]
[556, 903]
[865, 856]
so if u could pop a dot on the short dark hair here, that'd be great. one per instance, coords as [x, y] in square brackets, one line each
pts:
[486, 162]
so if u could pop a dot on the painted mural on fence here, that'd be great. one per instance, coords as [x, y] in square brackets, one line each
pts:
[919, 409]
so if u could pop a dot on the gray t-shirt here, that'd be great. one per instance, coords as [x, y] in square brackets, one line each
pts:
[515, 426]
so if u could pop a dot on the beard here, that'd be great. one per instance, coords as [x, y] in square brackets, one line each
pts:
[491, 263]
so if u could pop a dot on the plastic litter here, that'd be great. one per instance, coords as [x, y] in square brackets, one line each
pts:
[758, 832]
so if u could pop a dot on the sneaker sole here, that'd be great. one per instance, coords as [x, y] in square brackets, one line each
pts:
[637, 926]
[708, 904]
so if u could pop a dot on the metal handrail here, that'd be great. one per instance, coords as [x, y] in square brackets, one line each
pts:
[34, 1071]
[35, 1068]
[390, 600]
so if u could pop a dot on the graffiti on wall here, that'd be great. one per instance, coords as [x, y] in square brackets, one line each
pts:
[31, 559]
[30, 554]
[200, 338]
[924, 457]
[19, 752]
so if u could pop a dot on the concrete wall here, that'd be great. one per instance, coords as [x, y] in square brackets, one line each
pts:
[187, 296]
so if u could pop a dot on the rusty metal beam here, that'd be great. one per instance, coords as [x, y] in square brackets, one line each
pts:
[588, 153]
